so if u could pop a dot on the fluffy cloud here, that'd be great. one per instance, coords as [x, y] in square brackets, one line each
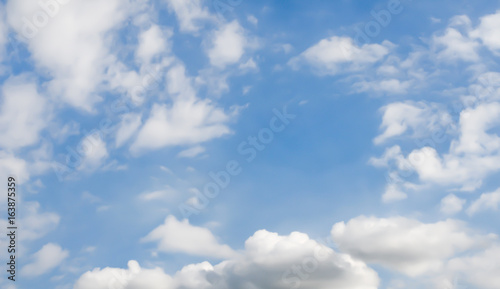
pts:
[480, 270]
[227, 45]
[152, 42]
[339, 55]
[188, 120]
[420, 117]
[10, 165]
[23, 113]
[45, 260]
[488, 31]
[486, 201]
[72, 49]
[268, 261]
[471, 157]
[453, 45]
[402, 244]
[180, 236]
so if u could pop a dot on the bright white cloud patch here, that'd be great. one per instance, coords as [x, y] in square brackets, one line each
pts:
[336, 55]
[180, 236]
[487, 201]
[402, 244]
[74, 50]
[419, 117]
[456, 46]
[268, 261]
[188, 120]
[488, 31]
[480, 270]
[227, 45]
[152, 42]
[45, 260]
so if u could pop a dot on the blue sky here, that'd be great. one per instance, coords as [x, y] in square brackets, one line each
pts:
[252, 144]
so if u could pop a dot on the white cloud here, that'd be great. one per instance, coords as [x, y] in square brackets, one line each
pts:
[337, 55]
[479, 270]
[471, 157]
[456, 46]
[36, 224]
[488, 31]
[451, 204]
[402, 244]
[486, 201]
[474, 126]
[152, 42]
[180, 236]
[191, 14]
[23, 114]
[49, 257]
[227, 45]
[187, 121]
[133, 277]
[73, 50]
[393, 193]
[420, 117]
[10, 165]
[191, 152]
[268, 261]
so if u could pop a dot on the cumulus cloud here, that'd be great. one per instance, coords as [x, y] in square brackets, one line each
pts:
[187, 121]
[472, 156]
[227, 45]
[152, 42]
[454, 45]
[268, 261]
[403, 244]
[46, 259]
[488, 31]
[180, 236]
[420, 117]
[487, 201]
[480, 270]
[72, 49]
[336, 55]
